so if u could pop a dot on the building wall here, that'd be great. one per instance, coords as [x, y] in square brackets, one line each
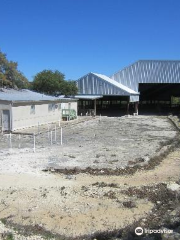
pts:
[24, 116]
[5, 106]
[73, 105]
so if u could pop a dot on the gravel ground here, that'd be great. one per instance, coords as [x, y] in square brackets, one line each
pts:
[109, 143]
[84, 204]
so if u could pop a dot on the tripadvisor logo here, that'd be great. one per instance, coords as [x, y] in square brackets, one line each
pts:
[138, 231]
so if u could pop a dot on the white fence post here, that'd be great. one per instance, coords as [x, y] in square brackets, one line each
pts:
[61, 136]
[10, 141]
[51, 137]
[59, 122]
[34, 137]
[38, 127]
[19, 137]
[55, 133]
[48, 130]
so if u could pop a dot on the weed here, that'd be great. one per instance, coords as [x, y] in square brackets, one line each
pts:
[9, 236]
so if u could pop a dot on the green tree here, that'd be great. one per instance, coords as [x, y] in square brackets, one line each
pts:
[10, 76]
[53, 83]
[68, 88]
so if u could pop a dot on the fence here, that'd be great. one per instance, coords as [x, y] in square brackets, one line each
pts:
[60, 133]
[54, 135]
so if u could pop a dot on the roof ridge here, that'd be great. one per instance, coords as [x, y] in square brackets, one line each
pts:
[145, 60]
[157, 60]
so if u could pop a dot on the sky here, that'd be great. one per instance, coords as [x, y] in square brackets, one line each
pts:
[81, 36]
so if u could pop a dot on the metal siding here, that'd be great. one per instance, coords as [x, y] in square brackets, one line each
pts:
[149, 72]
[95, 85]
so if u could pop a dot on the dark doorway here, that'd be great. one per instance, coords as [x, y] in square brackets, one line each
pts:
[157, 98]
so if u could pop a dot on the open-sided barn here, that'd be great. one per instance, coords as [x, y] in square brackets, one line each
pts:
[151, 84]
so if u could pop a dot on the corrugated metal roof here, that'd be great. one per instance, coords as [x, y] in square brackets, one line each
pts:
[25, 95]
[149, 71]
[115, 83]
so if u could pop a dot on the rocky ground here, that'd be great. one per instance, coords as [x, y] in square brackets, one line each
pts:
[87, 202]
[110, 143]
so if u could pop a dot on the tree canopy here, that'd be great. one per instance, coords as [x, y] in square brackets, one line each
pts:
[53, 83]
[10, 76]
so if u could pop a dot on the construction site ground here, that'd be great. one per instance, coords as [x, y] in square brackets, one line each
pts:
[35, 197]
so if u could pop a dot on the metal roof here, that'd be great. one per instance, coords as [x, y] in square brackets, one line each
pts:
[25, 95]
[99, 84]
[113, 82]
[148, 71]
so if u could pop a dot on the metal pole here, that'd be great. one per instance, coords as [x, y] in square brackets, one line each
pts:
[55, 133]
[95, 107]
[10, 141]
[34, 136]
[51, 137]
[61, 135]
[48, 130]
[59, 122]
[38, 127]
[19, 137]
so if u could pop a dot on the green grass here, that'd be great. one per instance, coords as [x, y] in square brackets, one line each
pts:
[9, 236]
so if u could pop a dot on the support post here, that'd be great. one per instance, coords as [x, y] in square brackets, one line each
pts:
[51, 137]
[48, 130]
[55, 133]
[128, 108]
[34, 137]
[94, 107]
[10, 140]
[38, 127]
[61, 135]
[136, 108]
[19, 137]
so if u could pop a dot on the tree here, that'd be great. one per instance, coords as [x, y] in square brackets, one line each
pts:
[10, 76]
[68, 88]
[53, 83]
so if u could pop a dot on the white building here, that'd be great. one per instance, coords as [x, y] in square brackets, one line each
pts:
[24, 108]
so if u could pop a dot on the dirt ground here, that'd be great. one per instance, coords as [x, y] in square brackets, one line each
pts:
[79, 205]
[109, 143]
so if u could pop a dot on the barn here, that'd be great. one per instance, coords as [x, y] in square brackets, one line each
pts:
[146, 85]
[24, 108]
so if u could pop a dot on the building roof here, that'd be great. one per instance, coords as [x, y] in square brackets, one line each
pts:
[25, 95]
[115, 83]
[88, 97]
[148, 71]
